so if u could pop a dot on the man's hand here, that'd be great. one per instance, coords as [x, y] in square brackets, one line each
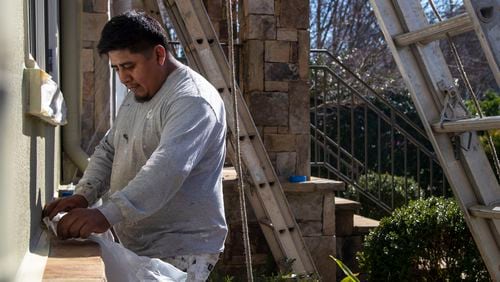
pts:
[80, 223]
[64, 205]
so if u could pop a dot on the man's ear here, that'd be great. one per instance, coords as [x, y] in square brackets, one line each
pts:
[160, 54]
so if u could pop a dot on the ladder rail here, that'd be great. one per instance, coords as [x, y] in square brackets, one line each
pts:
[425, 72]
[487, 26]
[266, 196]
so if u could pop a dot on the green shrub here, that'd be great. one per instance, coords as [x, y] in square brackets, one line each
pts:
[490, 105]
[371, 182]
[427, 240]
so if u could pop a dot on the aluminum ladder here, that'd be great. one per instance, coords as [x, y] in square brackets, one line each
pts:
[412, 41]
[205, 55]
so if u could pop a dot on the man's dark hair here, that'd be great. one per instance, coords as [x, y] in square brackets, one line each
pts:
[134, 31]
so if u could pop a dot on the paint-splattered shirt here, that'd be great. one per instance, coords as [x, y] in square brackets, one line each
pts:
[162, 164]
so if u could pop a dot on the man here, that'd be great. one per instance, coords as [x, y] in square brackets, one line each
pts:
[161, 161]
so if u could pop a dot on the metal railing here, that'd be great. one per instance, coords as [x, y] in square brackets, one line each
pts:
[361, 137]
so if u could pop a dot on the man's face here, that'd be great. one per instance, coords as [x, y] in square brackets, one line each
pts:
[140, 72]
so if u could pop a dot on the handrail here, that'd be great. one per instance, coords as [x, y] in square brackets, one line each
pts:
[379, 112]
[382, 98]
[342, 150]
[348, 167]
[367, 194]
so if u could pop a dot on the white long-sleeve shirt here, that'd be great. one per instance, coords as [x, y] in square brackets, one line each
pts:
[162, 161]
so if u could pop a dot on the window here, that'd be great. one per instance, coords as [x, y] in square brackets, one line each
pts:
[43, 34]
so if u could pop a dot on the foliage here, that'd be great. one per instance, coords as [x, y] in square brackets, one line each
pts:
[427, 240]
[381, 185]
[490, 106]
[350, 277]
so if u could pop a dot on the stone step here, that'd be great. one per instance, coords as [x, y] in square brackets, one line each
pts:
[313, 205]
[363, 225]
[315, 184]
[346, 204]
[344, 216]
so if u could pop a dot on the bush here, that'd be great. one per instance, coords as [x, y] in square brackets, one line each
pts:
[427, 240]
[372, 180]
[490, 105]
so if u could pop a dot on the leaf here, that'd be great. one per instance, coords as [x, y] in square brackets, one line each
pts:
[348, 279]
[350, 276]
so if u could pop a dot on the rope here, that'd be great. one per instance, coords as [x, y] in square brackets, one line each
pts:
[467, 83]
[241, 187]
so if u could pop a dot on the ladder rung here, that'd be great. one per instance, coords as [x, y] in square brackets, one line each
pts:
[492, 212]
[454, 26]
[471, 124]
[266, 222]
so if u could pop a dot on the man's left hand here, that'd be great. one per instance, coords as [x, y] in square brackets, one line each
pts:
[81, 222]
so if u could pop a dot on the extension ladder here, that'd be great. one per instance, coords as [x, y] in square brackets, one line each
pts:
[412, 41]
[266, 196]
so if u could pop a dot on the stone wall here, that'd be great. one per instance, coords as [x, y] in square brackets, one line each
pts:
[95, 112]
[275, 70]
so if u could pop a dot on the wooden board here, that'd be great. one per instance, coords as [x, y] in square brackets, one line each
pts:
[72, 260]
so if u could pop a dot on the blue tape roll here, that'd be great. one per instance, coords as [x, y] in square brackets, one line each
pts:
[297, 178]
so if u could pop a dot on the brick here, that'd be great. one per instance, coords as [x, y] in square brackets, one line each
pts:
[270, 130]
[88, 86]
[277, 51]
[258, 7]
[88, 6]
[306, 206]
[280, 142]
[87, 123]
[92, 25]
[254, 62]
[303, 154]
[87, 60]
[344, 222]
[214, 9]
[88, 44]
[259, 27]
[100, 6]
[277, 6]
[280, 86]
[232, 204]
[102, 93]
[294, 52]
[260, 130]
[299, 107]
[281, 72]
[269, 108]
[310, 228]
[329, 214]
[217, 28]
[285, 164]
[272, 157]
[321, 247]
[294, 14]
[283, 130]
[287, 34]
[304, 46]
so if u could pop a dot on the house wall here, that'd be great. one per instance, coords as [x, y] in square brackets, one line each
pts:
[29, 158]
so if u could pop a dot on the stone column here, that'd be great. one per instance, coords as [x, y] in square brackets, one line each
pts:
[95, 75]
[275, 69]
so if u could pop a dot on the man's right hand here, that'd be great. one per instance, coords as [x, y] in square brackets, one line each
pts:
[64, 204]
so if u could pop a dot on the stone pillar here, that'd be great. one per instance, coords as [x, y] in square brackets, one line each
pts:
[216, 10]
[95, 75]
[275, 70]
